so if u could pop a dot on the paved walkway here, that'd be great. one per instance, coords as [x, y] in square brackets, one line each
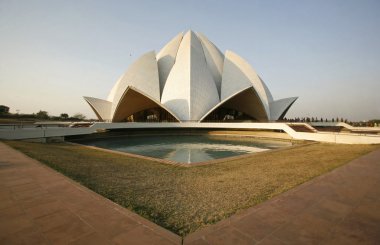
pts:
[340, 207]
[41, 206]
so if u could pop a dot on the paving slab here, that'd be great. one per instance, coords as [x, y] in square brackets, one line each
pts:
[41, 206]
[340, 207]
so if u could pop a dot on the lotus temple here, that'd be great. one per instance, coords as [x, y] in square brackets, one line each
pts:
[190, 85]
[190, 79]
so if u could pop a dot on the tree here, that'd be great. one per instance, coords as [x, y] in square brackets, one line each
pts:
[4, 109]
[42, 115]
[79, 116]
[64, 116]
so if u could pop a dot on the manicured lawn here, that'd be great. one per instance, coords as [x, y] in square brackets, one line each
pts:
[184, 199]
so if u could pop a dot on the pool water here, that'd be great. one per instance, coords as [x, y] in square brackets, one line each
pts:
[186, 148]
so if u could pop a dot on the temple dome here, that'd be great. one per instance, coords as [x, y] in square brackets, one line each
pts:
[189, 79]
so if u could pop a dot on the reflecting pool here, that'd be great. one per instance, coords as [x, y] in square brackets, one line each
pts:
[186, 148]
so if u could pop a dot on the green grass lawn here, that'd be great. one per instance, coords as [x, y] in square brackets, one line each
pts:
[184, 199]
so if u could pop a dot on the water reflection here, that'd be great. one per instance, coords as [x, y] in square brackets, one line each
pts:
[188, 155]
[186, 149]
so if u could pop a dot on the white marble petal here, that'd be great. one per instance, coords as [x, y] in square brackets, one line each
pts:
[166, 59]
[238, 75]
[278, 108]
[214, 59]
[190, 90]
[102, 108]
[143, 75]
[134, 100]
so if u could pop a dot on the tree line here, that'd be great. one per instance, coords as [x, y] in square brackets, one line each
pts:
[369, 123]
[40, 115]
[315, 119]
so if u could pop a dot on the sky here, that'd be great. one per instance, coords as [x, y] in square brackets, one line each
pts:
[326, 52]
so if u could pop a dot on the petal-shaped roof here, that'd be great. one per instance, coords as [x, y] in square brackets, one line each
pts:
[190, 90]
[267, 92]
[102, 108]
[238, 75]
[214, 59]
[166, 58]
[245, 100]
[143, 75]
[190, 79]
[278, 108]
[133, 101]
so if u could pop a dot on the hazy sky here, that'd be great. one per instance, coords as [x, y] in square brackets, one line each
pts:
[327, 52]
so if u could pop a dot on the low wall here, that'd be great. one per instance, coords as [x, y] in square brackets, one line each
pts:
[339, 138]
[345, 125]
[30, 133]
[343, 138]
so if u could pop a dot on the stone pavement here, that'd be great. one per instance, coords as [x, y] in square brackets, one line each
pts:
[41, 206]
[340, 207]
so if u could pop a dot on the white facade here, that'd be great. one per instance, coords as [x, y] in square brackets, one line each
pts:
[190, 78]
